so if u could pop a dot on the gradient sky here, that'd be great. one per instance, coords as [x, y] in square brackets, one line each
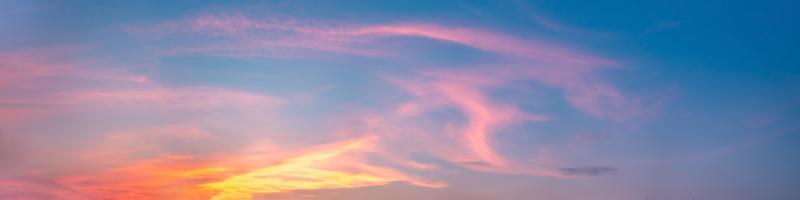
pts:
[436, 100]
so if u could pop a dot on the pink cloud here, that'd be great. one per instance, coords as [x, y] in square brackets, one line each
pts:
[475, 147]
[488, 41]
[256, 36]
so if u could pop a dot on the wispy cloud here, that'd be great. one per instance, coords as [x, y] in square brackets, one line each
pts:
[246, 37]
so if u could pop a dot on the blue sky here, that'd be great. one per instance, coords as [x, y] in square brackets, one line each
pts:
[398, 100]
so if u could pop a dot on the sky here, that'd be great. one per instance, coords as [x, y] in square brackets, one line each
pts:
[432, 100]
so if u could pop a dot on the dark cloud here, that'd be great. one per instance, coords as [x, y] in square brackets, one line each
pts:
[588, 170]
[475, 163]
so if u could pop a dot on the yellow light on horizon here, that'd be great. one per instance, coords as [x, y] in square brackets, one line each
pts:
[306, 172]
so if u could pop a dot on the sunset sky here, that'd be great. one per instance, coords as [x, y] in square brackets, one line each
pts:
[397, 100]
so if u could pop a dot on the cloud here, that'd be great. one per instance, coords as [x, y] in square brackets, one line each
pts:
[588, 171]
[467, 93]
[248, 37]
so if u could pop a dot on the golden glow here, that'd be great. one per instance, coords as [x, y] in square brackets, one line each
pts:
[313, 170]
